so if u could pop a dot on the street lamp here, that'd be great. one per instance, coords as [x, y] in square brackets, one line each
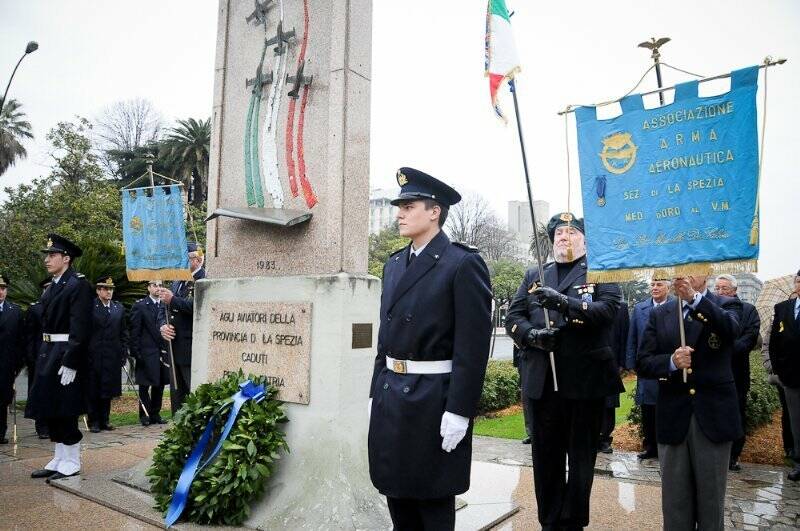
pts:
[30, 48]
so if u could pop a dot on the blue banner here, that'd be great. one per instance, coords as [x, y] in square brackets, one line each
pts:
[154, 233]
[672, 190]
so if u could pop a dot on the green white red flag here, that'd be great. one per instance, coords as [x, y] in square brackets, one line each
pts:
[502, 62]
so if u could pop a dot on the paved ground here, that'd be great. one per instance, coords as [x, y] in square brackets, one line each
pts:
[626, 492]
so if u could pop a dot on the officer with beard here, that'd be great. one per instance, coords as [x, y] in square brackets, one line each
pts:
[566, 422]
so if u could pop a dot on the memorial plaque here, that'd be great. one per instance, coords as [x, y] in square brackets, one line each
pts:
[263, 338]
[362, 335]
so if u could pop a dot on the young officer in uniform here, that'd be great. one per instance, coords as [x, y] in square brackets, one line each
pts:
[433, 346]
[147, 348]
[11, 358]
[108, 352]
[58, 390]
[566, 423]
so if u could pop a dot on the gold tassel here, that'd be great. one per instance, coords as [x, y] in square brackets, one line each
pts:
[754, 231]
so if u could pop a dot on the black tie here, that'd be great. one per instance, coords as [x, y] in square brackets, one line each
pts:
[411, 258]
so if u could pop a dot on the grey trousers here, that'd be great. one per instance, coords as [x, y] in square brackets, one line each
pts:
[693, 477]
[793, 405]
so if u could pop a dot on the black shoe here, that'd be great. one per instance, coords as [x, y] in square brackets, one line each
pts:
[44, 435]
[59, 475]
[94, 428]
[107, 427]
[526, 440]
[605, 447]
[734, 466]
[647, 454]
[43, 473]
[794, 475]
[145, 422]
[3, 441]
[159, 420]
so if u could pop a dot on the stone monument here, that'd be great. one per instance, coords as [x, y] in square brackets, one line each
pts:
[288, 295]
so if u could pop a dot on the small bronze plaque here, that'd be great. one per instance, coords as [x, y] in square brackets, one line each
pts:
[362, 335]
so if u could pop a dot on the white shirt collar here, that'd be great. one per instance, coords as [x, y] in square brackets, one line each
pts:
[155, 301]
[2, 303]
[418, 251]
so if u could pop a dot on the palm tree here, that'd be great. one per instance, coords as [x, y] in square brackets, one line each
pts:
[186, 149]
[13, 130]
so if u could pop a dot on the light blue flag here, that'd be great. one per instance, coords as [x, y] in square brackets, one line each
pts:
[154, 233]
[672, 191]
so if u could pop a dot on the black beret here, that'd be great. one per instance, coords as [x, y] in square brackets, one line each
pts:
[415, 184]
[59, 244]
[194, 247]
[561, 219]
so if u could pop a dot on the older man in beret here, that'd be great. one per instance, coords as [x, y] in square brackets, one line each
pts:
[58, 392]
[433, 346]
[11, 358]
[564, 314]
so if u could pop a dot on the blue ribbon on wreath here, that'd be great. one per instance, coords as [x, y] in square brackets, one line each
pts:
[247, 391]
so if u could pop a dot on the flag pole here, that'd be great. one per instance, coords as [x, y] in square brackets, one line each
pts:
[513, 87]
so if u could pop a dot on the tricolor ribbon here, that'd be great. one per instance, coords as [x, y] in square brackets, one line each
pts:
[247, 391]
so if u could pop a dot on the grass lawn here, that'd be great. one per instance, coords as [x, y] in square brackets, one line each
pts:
[513, 426]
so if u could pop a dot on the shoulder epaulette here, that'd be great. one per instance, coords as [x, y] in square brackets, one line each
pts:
[80, 275]
[466, 247]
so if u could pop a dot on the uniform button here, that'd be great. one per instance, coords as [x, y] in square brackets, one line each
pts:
[408, 318]
[389, 317]
[386, 386]
[689, 371]
[692, 392]
[406, 389]
[552, 323]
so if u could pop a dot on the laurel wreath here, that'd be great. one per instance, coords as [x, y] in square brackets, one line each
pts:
[221, 493]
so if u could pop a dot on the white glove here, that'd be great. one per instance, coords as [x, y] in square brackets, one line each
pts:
[67, 375]
[369, 410]
[452, 430]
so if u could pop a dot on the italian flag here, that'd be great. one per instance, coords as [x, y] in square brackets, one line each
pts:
[502, 62]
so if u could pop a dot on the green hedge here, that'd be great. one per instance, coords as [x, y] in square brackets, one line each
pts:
[500, 388]
[762, 400]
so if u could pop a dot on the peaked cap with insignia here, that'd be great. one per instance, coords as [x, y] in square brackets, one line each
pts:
[415, 184]
[59, 244]
[4, 282]
[104, 282]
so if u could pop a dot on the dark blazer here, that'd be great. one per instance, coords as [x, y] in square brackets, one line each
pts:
[11, 349]
[585, 359]
[784, 344]
[438, 308]
[67, 307]
[710, 392]
[646, 388]
[751, 324]
[108, 350]
[181, 316]
[146, 345]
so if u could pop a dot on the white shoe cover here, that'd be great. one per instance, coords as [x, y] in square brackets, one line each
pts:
[55, 461]
[71, 463]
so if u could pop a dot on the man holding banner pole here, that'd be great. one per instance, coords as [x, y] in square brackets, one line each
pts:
[698, 419]
[175, 321]
[566, 421]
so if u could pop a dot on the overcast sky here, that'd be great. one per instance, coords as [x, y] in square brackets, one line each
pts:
[430, 106]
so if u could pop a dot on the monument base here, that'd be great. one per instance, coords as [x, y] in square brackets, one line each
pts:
[323, 482]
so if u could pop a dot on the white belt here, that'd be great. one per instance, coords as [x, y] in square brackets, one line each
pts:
[55, 338]
[419, 367]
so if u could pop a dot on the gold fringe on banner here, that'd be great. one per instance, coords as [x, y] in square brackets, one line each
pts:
[683, 270]
[138, 275]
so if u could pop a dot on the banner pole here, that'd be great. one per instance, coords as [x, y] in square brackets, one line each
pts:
[513, 87]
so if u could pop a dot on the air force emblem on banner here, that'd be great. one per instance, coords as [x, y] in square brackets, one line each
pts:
[619, 152]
